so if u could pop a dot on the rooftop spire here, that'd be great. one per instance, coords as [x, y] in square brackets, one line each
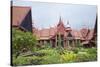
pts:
[68, 24]
[68, 27]
[60, 21]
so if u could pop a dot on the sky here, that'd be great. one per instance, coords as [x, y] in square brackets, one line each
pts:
[45, 15]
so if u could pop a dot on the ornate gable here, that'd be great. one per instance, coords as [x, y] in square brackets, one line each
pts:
[60, 27]
[69, 36]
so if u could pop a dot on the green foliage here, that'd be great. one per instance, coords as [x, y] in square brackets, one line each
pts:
[27, 60]
[46, 54]
[22, 40]
[20, 60]
[68, 56]
[46, 46]
[87, 54]
[51, 56]
[54, 56]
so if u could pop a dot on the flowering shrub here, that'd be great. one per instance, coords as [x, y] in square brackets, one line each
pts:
[68, 56]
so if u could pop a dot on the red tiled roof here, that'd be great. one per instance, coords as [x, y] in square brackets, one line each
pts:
[52, 31]
[45, 33]
[49, 33]
[18, 14]
[76, 34]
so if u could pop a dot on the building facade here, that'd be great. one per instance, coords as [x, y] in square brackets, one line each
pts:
[63, 36]
[60, 35]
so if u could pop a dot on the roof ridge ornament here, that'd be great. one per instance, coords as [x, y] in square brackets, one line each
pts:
[68, 25]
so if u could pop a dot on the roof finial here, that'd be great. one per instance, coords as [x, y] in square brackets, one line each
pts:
[68, 25]
[60, 19]
[67, 22]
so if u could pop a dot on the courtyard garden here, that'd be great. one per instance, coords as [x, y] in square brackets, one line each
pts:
[26, 51]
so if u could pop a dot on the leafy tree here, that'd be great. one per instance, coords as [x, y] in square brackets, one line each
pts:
[22, 40]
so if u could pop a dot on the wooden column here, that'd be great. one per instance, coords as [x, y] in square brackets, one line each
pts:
[56, 41]
[65, 44]
[68, 43]
[79, 43]
[41, 42]
[76, 42]
[44, 42]
[51, 43]
[73, 43]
